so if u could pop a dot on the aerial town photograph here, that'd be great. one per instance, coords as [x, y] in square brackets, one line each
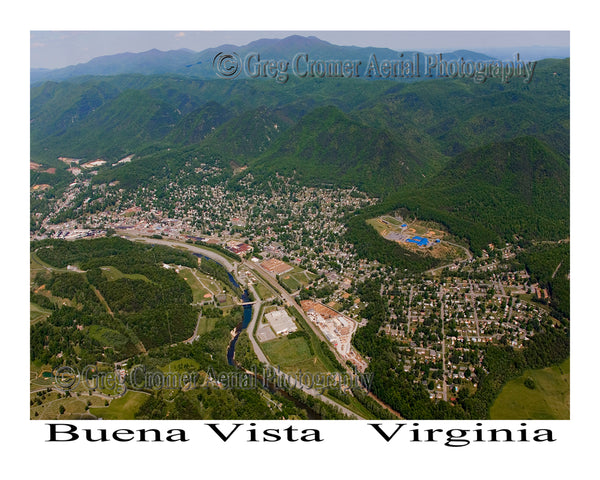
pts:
[300, 226]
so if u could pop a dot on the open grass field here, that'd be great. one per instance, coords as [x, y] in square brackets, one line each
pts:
[36, 265]
[185, 365]
[290, 282]
[292, 355]
[391, 220]
[108, 337]
[549, 400]
[203, 287]
[37, 313]
[263, 290]
[123, 408]
[113, 273]
[377, 225]
[199, 291]
[206, 325]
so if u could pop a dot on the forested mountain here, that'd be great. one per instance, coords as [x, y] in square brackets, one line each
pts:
[113, 116]
[490, 160]
[326, 146]
[519, 187]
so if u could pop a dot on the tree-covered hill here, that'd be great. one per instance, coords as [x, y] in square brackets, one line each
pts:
[488, 160]
[519, 187]
[326, 146]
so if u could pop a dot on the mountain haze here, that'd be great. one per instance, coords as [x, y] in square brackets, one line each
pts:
[199, 64]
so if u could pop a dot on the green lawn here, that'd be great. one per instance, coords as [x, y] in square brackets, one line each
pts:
[377, 225]
[123, 408]
[391, 220]
[183, 365]
[549, 400]
[292, 355]
[263, 290]
[198, 290]
[200, 283]
[108, 337]
[289, 281]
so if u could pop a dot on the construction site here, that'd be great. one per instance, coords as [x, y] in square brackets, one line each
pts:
[397, 230]
[337, 328]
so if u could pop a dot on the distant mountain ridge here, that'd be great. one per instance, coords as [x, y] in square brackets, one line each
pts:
[199, 64]
[375, 134]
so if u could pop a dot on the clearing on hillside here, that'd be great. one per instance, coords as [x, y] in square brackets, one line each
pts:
[426, 238]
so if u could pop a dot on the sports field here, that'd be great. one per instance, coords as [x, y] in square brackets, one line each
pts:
[203, 287]
[549, 400]
[296, 278]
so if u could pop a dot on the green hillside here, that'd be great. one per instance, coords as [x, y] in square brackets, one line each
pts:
[199, 123]
[454, 116]
[326, 146]
[380, 135]
[247, 135]
[519, 187]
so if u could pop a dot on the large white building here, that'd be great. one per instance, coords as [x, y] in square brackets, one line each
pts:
[281, 322]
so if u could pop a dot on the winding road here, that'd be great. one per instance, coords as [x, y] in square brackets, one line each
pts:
[255, 311]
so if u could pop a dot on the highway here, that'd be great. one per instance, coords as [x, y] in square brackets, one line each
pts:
[263, 359]
[227, 263]
[284, 294]
[256, 308]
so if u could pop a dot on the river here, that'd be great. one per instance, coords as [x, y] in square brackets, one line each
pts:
[246, 319]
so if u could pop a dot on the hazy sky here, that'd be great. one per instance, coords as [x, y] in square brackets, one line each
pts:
[54, 49]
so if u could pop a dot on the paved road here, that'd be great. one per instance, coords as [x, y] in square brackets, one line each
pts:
[259, 353]
[466, 250]
[255, 311]
[195, 334]
[444, 379]
[263, 359]
[285, 295]
[192, 248]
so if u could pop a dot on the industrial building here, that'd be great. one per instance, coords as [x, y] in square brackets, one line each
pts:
[281, 322]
